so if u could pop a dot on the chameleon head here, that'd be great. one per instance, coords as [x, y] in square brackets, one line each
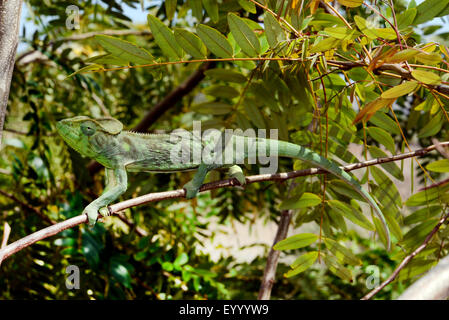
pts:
[87, 135]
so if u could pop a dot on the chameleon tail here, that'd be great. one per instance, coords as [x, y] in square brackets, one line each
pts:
[290, 150]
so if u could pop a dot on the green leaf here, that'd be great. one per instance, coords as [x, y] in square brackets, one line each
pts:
[351, 3]
[336, 268]
[427, 196]
[306, 200]
[416, 267]
[390, 167]
[107, 59]
[273, 30]
[439, 166]
[215, 108]
[296, 241]
[426, 77]
[191, 43]
[180, 260]
[429, 58]
[91, 67]
[429, 9]
[221, 91]
[404, 88]
[343, 254]
[418, 233]
[197, 8]
[124, 50]
[228, 75]
[383, 137]
[422, 214]
[361, 24]
[351, 213]
[170, 8]
[244, 35]
[215, 41]
[120, 273]
[247, 5]
[342, 33]
[403, 55]
[405, 19]
[343, 189]
[386, 186]
[325, 45]
[432, 127]
[164, 38]
[211, 7]
[302, 263]
[253, 113]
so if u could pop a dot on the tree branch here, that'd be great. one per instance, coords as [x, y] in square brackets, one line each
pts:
[407, 259]
[273, 257]
[9, 39]
[432, 286]
[180, 193]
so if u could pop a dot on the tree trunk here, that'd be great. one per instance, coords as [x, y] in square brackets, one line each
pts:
[9, 39]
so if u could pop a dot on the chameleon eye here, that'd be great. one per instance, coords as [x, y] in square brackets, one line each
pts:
[88, 128]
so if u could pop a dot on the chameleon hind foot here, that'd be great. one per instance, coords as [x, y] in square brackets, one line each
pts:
[236, 172]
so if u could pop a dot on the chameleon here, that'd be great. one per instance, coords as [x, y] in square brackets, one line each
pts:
[120, 151]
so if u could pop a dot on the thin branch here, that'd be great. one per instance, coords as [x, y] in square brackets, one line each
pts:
[434, 285]
[407, 259]
[6, 233]
[180, 193]
[27, 206]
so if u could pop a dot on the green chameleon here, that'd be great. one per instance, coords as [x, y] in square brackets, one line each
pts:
[120, 151]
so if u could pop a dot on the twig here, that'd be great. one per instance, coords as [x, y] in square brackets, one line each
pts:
[434, 285]
[27, 206]
[180, 193]
[407, 259]
[6, 233]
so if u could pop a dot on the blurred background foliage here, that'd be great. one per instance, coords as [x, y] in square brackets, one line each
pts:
[157, 251]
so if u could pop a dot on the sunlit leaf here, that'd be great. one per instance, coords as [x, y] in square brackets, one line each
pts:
[343, 254]
[426, 77]
[302, 263]
[404, 88]
[215, 41]
[296, 241]
[244, 35]
[124, 50]
[306, 200]
[191, 43]
[164, 38]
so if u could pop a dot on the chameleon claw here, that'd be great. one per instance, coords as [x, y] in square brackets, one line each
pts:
[105, 211]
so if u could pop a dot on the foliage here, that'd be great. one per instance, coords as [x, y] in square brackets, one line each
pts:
[328, 75]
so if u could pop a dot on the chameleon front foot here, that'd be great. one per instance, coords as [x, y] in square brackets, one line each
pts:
[92, 214]
[191, 190]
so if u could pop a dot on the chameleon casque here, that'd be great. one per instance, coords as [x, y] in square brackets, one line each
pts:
[120, 151]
